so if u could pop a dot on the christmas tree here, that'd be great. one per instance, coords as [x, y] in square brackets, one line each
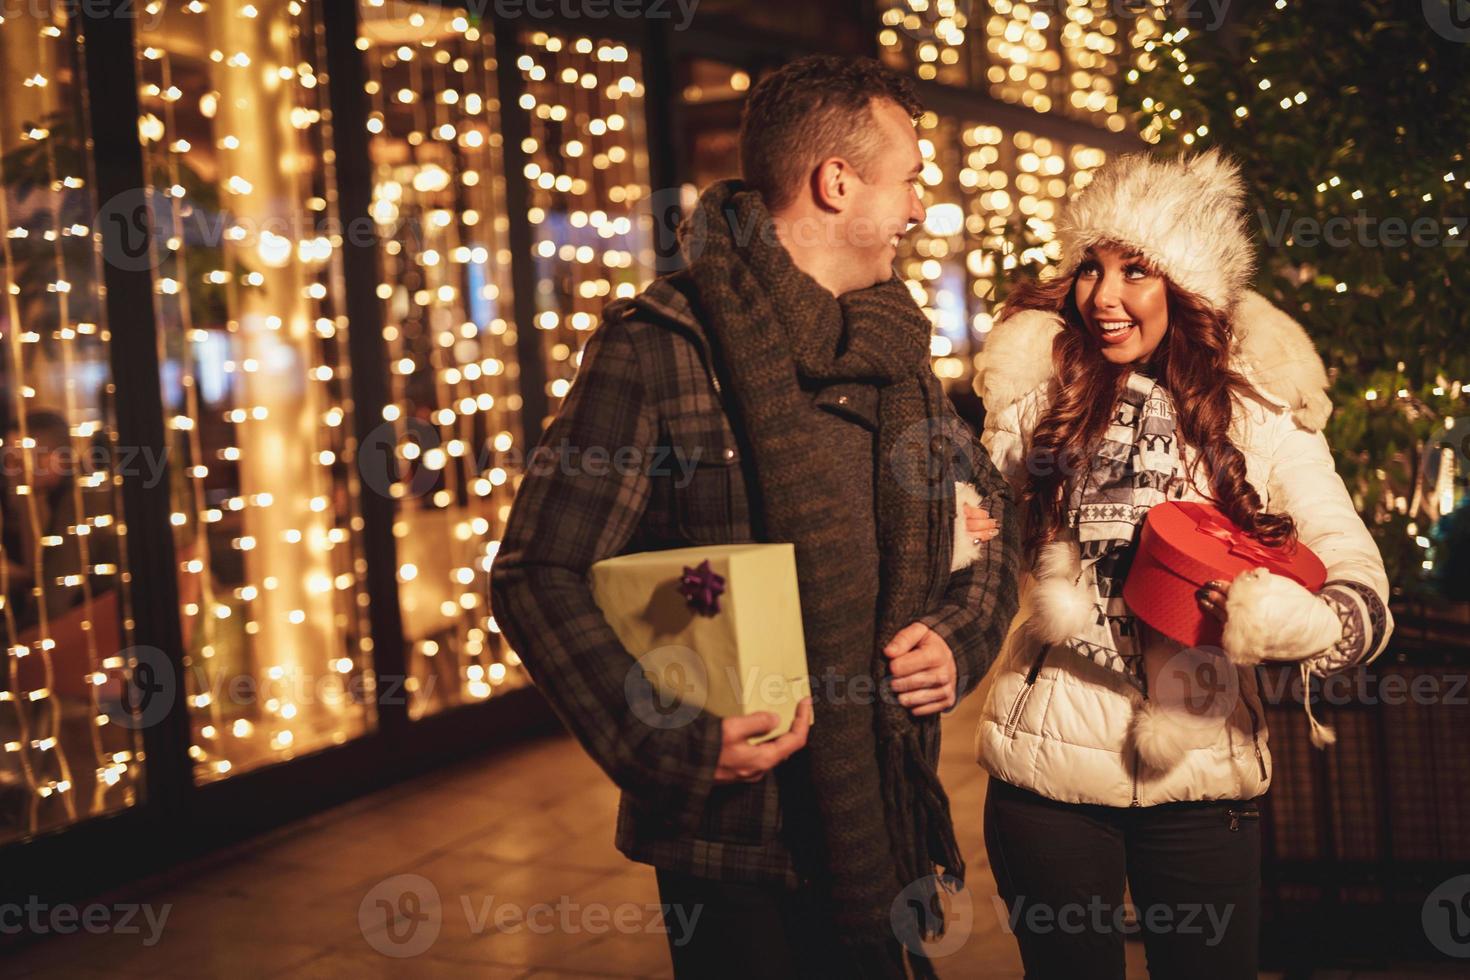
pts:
[1351, 121]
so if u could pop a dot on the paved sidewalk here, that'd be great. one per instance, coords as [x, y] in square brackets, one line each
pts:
[532, 826]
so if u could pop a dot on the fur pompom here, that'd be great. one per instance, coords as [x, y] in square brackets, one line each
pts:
[966, 549]
[1159, 738]
[1271, 617]
[1323, 735]
[1062, 605]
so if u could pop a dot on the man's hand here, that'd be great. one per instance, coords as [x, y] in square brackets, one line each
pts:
[741, 762]
[923, 670]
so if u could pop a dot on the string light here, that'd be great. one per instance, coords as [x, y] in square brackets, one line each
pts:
[439, 204]
[587, 173]
[991, 198]
[256, 382]
[63, 642]
[928, 39]
[1049, 60]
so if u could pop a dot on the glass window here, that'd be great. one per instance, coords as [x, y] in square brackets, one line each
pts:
[1063, 58]
[711, 96]
[69, 742]
[449, 441]
[991, 198]
[588, 174]
[823, 24]
[236, 140]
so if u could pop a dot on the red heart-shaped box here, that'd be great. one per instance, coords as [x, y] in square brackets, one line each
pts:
[1185, 544]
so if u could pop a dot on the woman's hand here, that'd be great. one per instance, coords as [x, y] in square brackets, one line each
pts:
[1268, 617]
[980, 524]
[1212, 597]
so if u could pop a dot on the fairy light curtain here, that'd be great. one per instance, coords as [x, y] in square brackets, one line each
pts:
[991, 199]
[587, 171]
[1064, 58]
[449, 438]
[236, 139]
[993, 194]
[69, 745]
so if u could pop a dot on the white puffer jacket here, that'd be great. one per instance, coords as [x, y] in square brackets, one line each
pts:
[1060, 725]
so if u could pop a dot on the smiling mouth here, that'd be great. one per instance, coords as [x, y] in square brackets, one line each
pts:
[1116, 331]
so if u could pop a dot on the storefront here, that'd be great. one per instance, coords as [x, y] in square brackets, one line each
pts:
[292, 287]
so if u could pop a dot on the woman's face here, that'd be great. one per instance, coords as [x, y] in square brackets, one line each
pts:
[1124, 305]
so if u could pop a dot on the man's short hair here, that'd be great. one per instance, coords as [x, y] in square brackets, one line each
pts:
[814, 108]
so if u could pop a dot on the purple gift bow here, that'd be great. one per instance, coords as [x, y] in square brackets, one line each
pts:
[702, 587]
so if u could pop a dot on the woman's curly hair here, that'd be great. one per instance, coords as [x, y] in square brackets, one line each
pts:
[1192, 362]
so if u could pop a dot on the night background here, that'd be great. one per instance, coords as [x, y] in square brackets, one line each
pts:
[291, 287]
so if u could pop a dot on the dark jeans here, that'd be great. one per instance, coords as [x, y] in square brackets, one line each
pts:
[1193, 871]
[747, 931]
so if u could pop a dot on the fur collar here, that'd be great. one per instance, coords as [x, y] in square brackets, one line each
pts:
[1272, 352]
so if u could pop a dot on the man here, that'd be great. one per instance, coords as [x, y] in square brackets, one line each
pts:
[790, 367]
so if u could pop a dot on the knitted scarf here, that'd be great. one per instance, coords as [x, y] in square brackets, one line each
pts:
[1132, 469]
[886, 825]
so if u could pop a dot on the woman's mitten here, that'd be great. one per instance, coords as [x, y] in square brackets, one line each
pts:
[1271, 617]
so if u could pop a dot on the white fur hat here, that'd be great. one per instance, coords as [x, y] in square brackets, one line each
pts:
[1184, 215]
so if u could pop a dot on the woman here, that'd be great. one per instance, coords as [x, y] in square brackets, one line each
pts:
[1146, 371]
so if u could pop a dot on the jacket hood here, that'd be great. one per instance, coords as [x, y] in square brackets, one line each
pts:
[1270, 350]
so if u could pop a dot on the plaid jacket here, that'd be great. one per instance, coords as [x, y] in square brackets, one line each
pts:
[643, 456]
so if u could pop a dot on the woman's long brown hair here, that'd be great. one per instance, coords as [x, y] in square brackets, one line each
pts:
[1192, 362]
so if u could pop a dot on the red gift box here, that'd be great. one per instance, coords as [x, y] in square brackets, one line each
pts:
[1186, 544]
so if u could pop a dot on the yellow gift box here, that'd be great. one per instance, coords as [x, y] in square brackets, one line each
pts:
[742, 652]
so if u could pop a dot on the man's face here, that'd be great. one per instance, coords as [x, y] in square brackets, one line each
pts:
[886, 201]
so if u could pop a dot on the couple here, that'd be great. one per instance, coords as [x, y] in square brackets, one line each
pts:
[792, 364]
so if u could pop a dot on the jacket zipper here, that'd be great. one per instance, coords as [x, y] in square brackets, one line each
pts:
[1255, 728]
[707, 358]
[1014, 717]
[1134, 801]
